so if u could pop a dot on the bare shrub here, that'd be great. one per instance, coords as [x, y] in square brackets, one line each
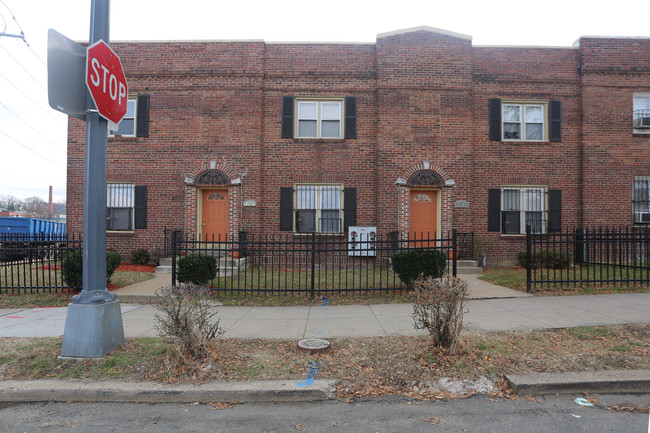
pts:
[187, 321]
[438, 306]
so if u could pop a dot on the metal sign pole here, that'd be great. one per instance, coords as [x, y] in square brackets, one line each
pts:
[94, 322]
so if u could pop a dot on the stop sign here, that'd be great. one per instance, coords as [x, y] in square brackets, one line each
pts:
[106, 81]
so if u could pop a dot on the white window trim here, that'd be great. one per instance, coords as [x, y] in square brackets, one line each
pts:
[133, 100]
[131, 205]
[634, 115]
[522, 204]
[319, 208]
[319, 119]
[522, 122]
[640, 207]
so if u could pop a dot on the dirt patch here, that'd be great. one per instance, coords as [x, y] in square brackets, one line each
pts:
[366, 367]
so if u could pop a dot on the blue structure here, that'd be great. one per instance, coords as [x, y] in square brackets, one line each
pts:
[31, 226]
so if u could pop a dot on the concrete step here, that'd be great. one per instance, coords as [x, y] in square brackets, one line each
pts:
[465, 267]
[227, 266]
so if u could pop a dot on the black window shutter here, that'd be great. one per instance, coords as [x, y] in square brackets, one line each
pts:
[350, 117]
[555, 120]
[554, 210]
[142, 116]
[140, 207]
[495, 119]
[494, 210]
[286, 209]
[349, 207]
[287, 117]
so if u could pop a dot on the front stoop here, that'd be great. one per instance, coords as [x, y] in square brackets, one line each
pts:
[165, 266]
[228, 266]
[464, 267]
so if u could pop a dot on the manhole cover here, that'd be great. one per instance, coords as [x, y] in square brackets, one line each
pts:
[314, 345]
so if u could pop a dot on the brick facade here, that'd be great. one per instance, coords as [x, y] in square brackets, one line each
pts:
[422, 98]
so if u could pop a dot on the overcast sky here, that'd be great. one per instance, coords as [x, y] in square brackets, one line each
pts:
[33, 136]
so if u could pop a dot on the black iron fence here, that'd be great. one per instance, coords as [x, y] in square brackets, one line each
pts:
[309, 264]
[593, 256]
[32, 263]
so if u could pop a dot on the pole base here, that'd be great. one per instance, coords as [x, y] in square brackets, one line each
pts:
[92, 330]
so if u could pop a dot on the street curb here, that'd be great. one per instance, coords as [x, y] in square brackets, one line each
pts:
[603, 381]
[152, 392]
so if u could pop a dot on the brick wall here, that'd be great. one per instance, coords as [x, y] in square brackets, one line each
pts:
[422, 101]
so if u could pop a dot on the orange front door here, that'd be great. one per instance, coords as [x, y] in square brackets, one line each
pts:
[214, 215]
[424, 215]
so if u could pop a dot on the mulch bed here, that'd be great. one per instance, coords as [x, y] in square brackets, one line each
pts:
[127, 267]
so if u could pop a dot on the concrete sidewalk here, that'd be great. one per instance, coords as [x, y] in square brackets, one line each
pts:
[328, 321]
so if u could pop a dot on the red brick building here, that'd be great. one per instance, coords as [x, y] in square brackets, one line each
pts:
[418, 132]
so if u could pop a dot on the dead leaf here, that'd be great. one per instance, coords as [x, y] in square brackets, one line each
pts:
[299, 427]
[628, 407]
[433, 420]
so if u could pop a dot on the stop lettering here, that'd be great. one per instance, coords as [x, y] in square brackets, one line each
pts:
[106, 81]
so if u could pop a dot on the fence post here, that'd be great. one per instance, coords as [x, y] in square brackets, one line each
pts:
[313, 263]
[529, 260]
[174, 259]
[454, 244]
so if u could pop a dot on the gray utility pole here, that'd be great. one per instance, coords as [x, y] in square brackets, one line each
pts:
[94, 321]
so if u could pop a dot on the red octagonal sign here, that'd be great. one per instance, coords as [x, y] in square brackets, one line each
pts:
[106, 81]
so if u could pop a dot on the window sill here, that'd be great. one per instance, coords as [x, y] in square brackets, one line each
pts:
[320, 140]
[319, 234]
[120, 232]
[122, 137]
[525, 142]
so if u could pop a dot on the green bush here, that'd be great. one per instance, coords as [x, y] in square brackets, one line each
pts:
[72, 267]
[196, 269]
[140, 257]
[410, 265]
[113, 261]
[544, 259]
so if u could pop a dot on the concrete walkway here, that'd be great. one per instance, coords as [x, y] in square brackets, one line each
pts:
[492, 308]
[145, 292]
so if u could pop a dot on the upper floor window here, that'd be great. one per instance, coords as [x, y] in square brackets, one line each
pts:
[126, 127]
[319, 119]
[641, 113]
[641, 200]
[525, 121]
[326, 118]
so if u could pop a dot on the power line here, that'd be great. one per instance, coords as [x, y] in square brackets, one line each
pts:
[23, 68]
[33, 129]
[35, 103]
[31, 150]
[22, 33]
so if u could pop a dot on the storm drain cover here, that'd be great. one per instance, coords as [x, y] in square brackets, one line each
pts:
[314, 345]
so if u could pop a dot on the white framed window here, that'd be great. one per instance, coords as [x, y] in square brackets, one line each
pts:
[319, 118]
[318, 208]
[126, 127]
[522, 206]
[524, 122]
[120, 199]
[641, 113]
[641, 200]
